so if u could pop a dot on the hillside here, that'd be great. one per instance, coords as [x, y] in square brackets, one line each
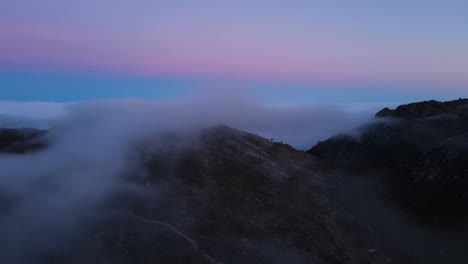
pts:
[218, 196]
[395, 191]
[410, 166]
[422, 149]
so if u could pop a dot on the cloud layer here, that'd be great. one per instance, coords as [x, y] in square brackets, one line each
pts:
[299, 125]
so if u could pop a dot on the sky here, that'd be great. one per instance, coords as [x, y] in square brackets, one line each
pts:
[291, 52]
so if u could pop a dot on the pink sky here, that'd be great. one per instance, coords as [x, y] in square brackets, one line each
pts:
[362, 43]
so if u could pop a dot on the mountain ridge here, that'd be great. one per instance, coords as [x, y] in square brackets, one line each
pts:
[423, 109]
[221, 195]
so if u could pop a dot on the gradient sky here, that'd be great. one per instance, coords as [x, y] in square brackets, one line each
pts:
[289, 51]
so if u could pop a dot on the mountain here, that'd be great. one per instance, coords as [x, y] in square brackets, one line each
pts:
[424, 109]
[223, 196]
[423, 150]
[219, 195]
[414, 158]
[21, 140]
[392, 191]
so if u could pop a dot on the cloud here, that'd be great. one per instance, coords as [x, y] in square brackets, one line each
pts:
[32, 109]
[299, 125]
[30, 114]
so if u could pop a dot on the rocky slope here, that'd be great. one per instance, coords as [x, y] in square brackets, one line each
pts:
[219, 196]
[422, 149]
[415, 158]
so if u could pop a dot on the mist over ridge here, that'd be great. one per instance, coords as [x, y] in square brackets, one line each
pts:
[300, 125]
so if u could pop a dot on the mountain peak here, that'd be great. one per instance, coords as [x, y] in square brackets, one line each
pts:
[423, 109]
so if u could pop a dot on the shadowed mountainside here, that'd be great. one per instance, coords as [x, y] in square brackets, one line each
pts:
[231, 197]
[21, 140]
[219, 196]
[422, 149]
[410, 166]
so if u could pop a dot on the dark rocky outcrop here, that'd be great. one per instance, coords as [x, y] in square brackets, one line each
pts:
[424, 109]
[20, 141]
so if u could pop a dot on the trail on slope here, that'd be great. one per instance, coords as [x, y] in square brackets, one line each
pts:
[177, 232]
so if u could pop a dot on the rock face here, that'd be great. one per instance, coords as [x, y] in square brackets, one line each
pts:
[422, 150]
[223, 196]
[21, 140]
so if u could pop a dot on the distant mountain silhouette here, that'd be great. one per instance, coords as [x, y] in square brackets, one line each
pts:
[21, 140]
[424, 109]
